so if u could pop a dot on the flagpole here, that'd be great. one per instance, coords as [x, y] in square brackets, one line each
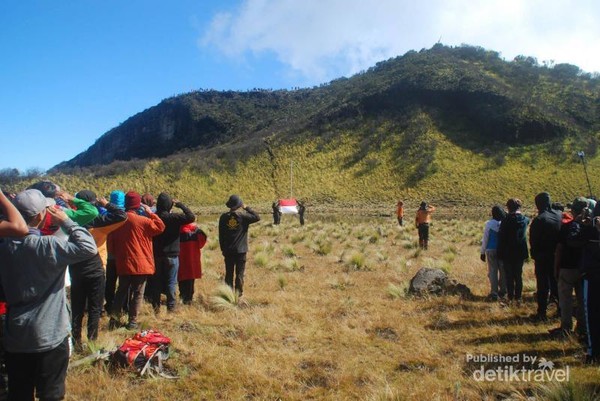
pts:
[291, 180]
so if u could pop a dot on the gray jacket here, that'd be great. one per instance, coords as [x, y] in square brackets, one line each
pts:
[32, 278]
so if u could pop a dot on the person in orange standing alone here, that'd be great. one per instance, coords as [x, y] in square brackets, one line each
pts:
[400, 212]
[422, 222]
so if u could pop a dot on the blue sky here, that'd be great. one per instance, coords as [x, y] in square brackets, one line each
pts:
[72, 70]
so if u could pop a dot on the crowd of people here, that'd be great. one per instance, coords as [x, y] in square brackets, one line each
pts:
[51, 240]
[565, 248]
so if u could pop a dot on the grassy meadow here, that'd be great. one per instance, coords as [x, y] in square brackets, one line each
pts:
[325, 316]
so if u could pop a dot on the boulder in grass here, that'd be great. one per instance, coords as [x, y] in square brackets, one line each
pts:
[430, 281]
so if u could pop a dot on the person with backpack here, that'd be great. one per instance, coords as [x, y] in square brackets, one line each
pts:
[543, 237]
[32, 277]
[489, 245]
[233, 239]
[567, 271]
[512, 248]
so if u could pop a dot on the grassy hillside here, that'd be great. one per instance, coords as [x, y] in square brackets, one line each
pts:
[342, 170]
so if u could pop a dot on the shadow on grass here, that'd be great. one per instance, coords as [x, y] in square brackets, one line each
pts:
[464, 324]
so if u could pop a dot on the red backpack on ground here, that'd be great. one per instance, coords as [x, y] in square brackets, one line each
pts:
[144, 352]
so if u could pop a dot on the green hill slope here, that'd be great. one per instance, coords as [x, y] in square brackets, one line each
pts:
[452, 124]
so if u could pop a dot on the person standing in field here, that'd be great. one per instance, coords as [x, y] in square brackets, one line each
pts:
[543, 237]
[233, 239]
[422, 222]
[400, 212]
[489, 245]
[133, 254]
[512, 248]
[567, 263]
[192, 239]
[166, 250]
[301, 211]
[32, 278]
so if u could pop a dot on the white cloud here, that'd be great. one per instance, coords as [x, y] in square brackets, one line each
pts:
[325, 39]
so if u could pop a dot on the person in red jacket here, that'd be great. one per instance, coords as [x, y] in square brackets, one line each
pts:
[132, 249]
[192, 240]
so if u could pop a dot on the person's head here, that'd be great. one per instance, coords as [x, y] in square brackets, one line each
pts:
[498, 213]
[400, 203]
[234, 202]
[32, 205]
[87, 195]
[164, 203]
[513, 205]
[148, 199]
[542, 201]
[558, 206]
[578, 205]
[47, 188]
[117, 198]
[423, 205]
[133, 200]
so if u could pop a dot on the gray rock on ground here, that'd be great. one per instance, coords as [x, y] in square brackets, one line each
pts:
[430, 281]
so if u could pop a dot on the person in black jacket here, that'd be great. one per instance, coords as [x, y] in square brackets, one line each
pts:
[543, 237]
[166, 250]
[512, 248]
[233, 239]
[590, 265]
[88, 277]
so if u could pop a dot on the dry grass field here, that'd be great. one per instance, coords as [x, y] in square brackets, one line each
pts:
[325, 316]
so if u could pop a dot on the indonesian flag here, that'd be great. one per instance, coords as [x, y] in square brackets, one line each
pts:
[288, 206]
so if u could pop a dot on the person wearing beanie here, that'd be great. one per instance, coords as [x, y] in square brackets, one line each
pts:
[117, 198]
[233, 240]
[422, 222]
[132, 249]
[543, 237]
[512, 248]
[192, 239]
[166, 250]
[489, 245]
[88, 279]
[37, 326]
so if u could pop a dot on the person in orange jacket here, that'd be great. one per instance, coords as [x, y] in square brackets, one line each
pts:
[400, 212]
[133, 252]
[422, 222]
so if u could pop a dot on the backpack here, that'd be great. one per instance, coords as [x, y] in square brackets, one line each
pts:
[144, 352]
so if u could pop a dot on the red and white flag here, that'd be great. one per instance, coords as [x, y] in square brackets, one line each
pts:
[288, 206]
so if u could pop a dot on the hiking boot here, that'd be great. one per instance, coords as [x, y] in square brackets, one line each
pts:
[132, 326]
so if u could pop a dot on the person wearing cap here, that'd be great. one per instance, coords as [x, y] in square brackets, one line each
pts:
[488, 253]
[12, 224]
[543, 237]
[32, 276]
[567, 269]
[88, 277]
[166, 250]
[512, 248]
[422, 222]
[133, 252]
[233, 239]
